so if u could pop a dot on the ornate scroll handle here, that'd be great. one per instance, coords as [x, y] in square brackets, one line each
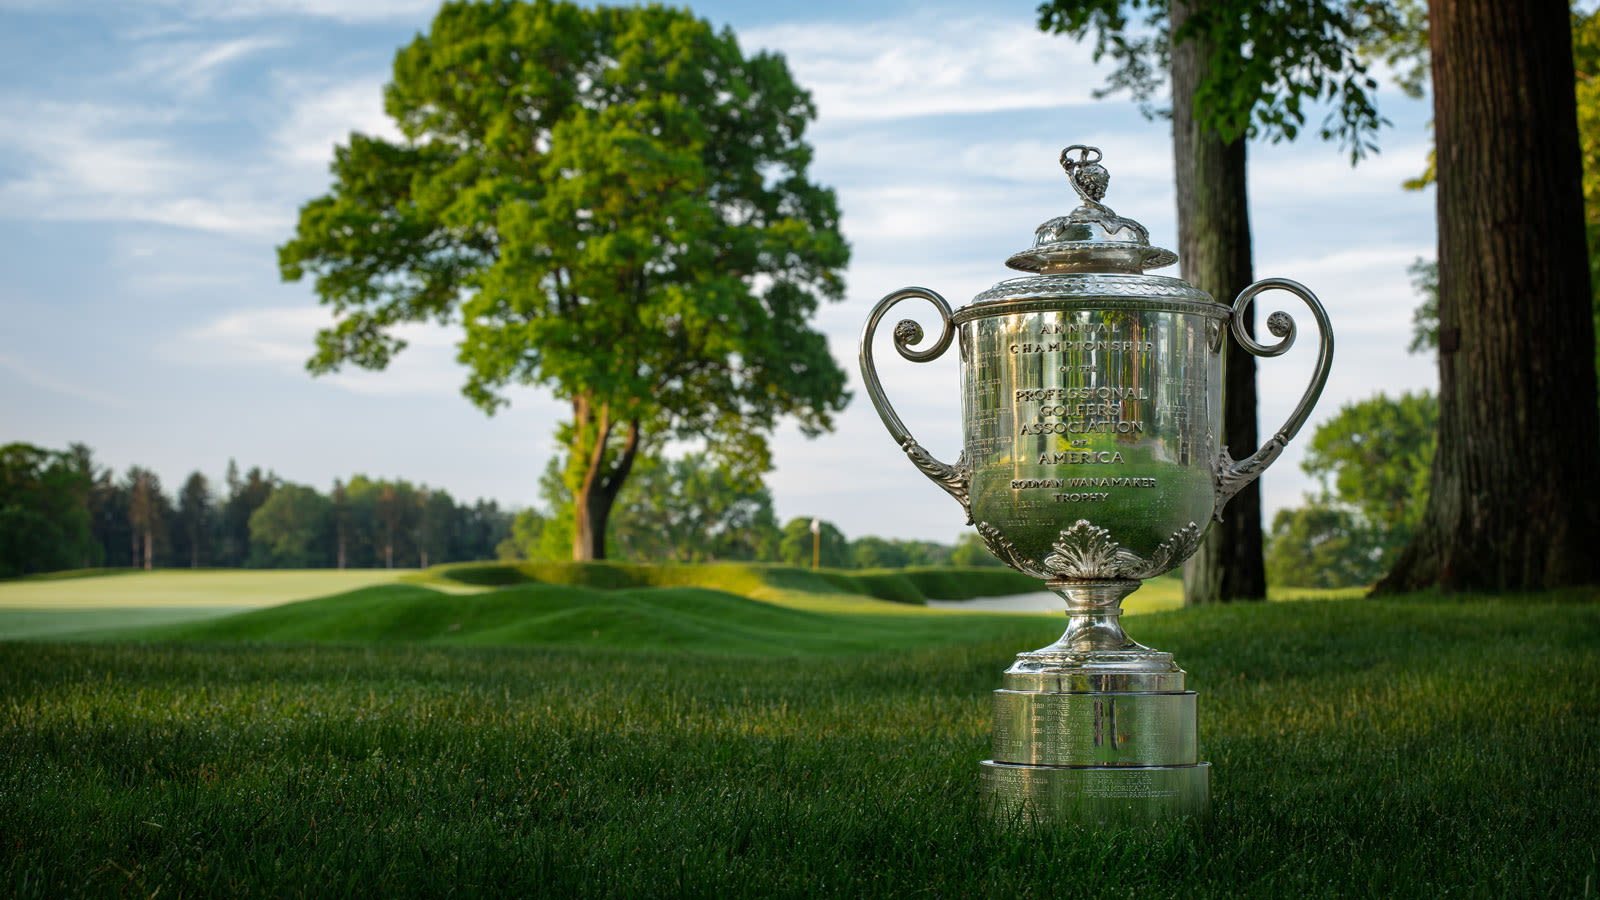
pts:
[1231, 476]
[954, 479]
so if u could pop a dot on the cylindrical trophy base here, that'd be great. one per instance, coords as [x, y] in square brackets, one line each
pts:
[1095, 728]
[1100, 795]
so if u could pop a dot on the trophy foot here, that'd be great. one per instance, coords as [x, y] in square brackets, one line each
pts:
[1095, 728]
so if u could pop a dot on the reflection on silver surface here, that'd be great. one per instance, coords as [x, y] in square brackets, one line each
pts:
[1091, 403]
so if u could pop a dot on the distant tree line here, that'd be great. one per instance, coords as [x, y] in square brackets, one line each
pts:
[59, 509]
[694, 509]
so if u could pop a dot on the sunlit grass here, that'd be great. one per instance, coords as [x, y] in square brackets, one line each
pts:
[1406, 748]
[176, 588]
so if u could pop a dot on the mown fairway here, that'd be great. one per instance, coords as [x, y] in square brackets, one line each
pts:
[84, 604]
[1409, 748]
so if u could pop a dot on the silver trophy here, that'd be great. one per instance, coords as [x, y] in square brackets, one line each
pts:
[1091, 399]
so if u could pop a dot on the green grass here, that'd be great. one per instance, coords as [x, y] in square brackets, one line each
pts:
[90, 602]
[1401, 748]
[756, 580]
[648, 619]
[92, 605]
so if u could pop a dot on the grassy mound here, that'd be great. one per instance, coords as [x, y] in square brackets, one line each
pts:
[666, 618]
[758, 580]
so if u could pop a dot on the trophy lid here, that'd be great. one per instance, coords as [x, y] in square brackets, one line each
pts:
[1091, 238]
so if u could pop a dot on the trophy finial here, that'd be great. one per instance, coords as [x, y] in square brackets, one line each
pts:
[1088, 177]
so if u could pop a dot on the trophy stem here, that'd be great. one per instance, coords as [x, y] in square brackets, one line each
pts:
[1094, 615]
[1094, 653]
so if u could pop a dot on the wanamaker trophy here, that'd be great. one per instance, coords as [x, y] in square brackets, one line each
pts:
[1091, 404]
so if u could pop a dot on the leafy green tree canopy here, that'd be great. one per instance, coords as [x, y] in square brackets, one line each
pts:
[44, 511]
[691, 509]
[291, 529]
[614, 203]
[1373, 460]
[1375, 456]
[1268, 62]
[1323, 546]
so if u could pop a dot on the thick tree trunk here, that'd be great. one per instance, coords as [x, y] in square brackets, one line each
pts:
[1214, 250]
[1512, 503]
[602, 480]
[148, 555]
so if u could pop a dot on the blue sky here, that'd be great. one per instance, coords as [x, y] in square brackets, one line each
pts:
[153, 155]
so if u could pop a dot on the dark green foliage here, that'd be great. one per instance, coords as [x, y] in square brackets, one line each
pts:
[879, 553]
[1361, 748]
[1323, 546]
[971, 551]
[1425, 319]
[45, 520]
[1373, 460]
[693, 509]
[690, 508]
[245, 496]
[1374, 457]
[194, 522]
[292, 530]
[59, 510]
[876, 553]
[1269, 61]
[799, 545]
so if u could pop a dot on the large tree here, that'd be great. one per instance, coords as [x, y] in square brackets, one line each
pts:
[1515, 476]
[1239, 69]
[147, 514]
[196, 520]
[614, 203]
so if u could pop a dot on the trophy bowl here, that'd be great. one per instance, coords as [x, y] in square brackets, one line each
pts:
[1091, 405]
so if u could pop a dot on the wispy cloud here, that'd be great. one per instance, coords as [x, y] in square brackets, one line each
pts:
[323, 113]
[39, 378]
[91, 162]
[355, 11]
[930, 66]
[190, 67]
[283, 337]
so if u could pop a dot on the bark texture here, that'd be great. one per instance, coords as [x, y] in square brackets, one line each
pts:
[602, 480]
[1513, 502]
[1214, 252]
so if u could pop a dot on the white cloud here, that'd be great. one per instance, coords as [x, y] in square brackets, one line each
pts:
[283, 338]
[322, 114]
[351, 11]
[929, 66]
[1308, 177]
[91, 162]
[190, 67]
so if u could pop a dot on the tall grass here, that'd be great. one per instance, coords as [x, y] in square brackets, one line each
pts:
[1361, 748]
